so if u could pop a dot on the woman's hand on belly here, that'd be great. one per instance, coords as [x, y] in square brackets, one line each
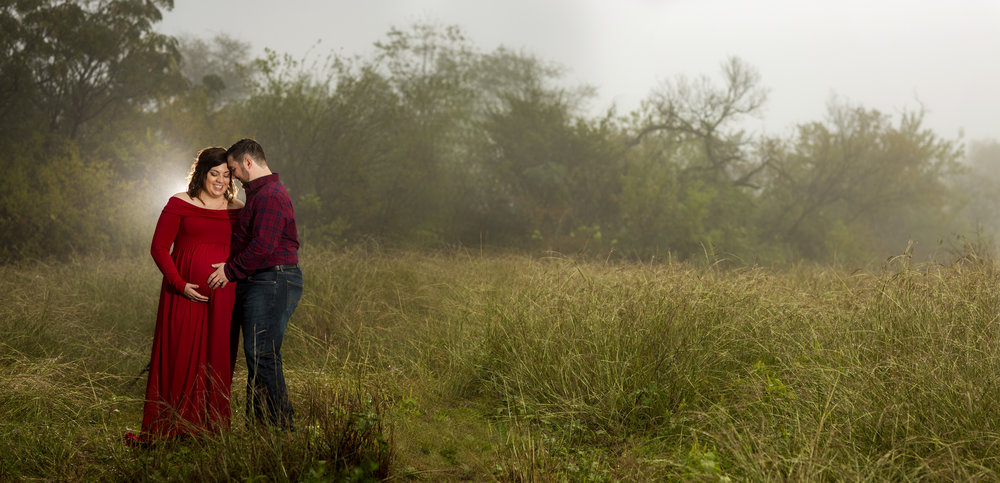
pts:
[191, 293]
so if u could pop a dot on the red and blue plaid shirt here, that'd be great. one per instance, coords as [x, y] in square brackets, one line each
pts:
[265, 234]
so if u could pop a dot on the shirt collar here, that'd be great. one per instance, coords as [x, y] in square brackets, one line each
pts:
[252, 186]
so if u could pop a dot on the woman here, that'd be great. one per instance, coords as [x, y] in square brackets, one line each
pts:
[191, 368]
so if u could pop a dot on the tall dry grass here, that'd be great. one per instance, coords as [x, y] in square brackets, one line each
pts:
[462, 366]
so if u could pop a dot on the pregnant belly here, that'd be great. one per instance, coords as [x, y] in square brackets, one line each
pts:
[199, 267]
[199, 277]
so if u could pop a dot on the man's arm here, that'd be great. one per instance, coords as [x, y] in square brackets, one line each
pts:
[268, 226]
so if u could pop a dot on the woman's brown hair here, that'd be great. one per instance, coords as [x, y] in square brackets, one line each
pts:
[207, 159]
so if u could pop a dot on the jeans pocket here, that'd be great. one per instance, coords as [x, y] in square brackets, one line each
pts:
[261, 279]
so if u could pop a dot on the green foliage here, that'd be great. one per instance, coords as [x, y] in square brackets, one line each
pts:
[431, 141]
[91, 61]
[218, 75]
[548, 174]
[689, 184]
[78, 80]
[979, 191]
[884, 183]
[53, 202]
[221, 65]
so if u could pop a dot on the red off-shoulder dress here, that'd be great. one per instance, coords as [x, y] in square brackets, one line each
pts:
[193, 356]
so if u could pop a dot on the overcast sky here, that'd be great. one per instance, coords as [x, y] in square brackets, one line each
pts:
[885, 54]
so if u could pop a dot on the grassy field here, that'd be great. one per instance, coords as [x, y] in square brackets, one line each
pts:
[460, 366]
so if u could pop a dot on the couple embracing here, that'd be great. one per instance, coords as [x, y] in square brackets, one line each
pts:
[233, 268]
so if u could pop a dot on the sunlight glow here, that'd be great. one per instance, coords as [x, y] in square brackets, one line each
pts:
[174, 187]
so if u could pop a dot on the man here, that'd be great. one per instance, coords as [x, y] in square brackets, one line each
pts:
[264, 258]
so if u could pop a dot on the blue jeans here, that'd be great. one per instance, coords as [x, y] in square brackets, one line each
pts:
[264, 303]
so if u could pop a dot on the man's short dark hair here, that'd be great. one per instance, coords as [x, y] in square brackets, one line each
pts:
[247, 147]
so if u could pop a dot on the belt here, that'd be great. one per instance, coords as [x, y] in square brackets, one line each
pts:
[277, 268]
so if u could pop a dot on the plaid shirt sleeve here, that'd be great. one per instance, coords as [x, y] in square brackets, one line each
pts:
[270, 216]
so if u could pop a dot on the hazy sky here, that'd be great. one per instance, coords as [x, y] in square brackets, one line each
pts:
[885, 54]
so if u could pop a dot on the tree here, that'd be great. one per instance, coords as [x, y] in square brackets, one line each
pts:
[78, 82]
[979, 186]
[222, 67]
[17, 88]
[218, 73]
[701, 112]
[552, 174]
[365, 146]
[691, 172]
[857, 182]
[429, 68]
[91, 60]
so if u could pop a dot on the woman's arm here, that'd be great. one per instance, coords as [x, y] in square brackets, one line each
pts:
[163, 237]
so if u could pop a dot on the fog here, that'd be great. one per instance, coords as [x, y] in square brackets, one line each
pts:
[889, 55]
[753, 132]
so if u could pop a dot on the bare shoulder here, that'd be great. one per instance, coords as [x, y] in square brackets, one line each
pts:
[235, 204]
[183, 196]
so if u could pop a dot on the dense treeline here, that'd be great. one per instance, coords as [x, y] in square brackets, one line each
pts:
[432, 141]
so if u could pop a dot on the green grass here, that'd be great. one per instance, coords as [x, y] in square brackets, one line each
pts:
[459, 366]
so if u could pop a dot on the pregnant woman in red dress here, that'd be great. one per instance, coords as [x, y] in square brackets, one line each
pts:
[191, 368]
